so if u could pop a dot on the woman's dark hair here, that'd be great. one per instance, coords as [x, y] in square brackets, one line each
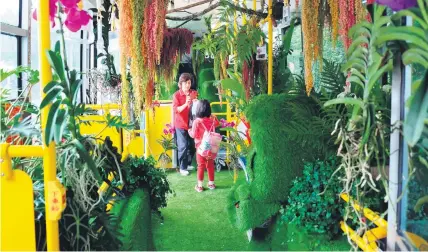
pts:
[183, 78]
[203, 109]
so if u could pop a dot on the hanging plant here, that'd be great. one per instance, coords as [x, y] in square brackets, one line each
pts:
[334, 23]
[176, 42]
[137, 59]
[310, 33]
[248, 78]
[125, 43]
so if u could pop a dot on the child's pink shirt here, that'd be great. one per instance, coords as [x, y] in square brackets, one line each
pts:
[197, 130]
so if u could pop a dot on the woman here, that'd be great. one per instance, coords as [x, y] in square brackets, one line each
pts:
[182, 101]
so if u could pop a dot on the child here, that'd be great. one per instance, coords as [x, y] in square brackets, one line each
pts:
[204, 122]
[182, 100]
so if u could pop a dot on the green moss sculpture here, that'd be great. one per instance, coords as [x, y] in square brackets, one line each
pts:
[281, 127]
[134, 215]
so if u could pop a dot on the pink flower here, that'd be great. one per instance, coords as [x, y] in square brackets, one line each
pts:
[168, 125]
[71, 4]
[76, 19]
[52, 11]
[226, 124]
[165, 131]
[172, 131]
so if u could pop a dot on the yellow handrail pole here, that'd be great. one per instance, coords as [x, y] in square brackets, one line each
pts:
[146, 134]
[49, 158]
[270, 49]
[254, 5]
[26, 151]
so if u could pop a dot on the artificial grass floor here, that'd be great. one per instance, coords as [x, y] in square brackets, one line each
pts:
[198, 221]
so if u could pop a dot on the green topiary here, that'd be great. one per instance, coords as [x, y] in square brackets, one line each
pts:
[314, 203]
[206, 88]
[286, 130]
[134, 215]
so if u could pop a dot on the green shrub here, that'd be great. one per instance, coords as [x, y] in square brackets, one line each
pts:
[310, 210]
[141, 173]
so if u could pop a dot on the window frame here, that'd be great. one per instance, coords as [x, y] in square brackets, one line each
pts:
[21, 34]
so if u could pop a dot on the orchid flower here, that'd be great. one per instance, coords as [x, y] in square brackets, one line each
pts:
[397, 5]
[75, 17]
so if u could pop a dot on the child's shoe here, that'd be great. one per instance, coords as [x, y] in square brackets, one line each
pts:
[211, 186]
[199, 188]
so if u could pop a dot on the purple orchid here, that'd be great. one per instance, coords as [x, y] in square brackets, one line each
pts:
[397, 5]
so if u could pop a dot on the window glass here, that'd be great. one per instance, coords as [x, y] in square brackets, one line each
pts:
[9, 12]
[9, 61]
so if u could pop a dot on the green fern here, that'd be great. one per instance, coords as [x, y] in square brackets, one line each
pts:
[332, 78]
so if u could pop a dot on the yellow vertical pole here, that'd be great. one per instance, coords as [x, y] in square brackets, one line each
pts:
[146, 135]
[254, 5]
[270, 49]
[49, 158]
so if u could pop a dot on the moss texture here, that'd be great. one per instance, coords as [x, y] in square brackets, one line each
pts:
[134, 214]
[197, 222]
[279, 148]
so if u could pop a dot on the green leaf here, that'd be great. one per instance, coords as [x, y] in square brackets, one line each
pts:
[60, 124]
[361, 28]
[422, 201]
[413, 15]
[88, 160]
[234, 86]
[415, 56]
[288, 36]
[53, 93]
[380, 22]
[376, 76]
[75, 90]
[56, 63]
[5, 74]
[414, 123]
[345, 100]
[50, 127]
[57, 48]
[356, 80]
[405, 37]
[50, 85]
